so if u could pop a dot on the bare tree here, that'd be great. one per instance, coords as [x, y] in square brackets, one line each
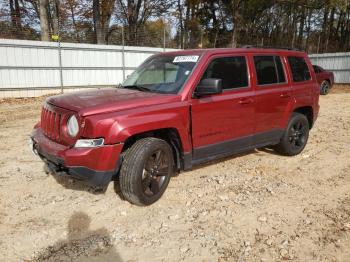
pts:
[16, 16]
[102, 13]
[181, 24]
[223, 23]
[54, 16]
[44, 20]
[71, 5]
[135, 13]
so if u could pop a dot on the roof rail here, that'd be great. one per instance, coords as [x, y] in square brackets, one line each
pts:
[271, 47]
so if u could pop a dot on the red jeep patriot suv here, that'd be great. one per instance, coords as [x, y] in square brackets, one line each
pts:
[177, 110]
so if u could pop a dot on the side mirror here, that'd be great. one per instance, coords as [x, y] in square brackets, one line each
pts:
[209, 86]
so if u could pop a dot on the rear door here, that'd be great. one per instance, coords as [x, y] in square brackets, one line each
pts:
[224, 123]
[273, 94]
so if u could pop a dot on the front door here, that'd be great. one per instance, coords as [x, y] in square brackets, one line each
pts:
[223, 124]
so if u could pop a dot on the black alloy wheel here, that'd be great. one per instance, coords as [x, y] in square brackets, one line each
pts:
[146, 170]
[155, 172]
[298, 134]
[295, 137]
[325, 87]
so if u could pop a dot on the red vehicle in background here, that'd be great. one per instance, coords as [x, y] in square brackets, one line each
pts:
[324, 78]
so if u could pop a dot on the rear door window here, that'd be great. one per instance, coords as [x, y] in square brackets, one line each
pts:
[269, 70]
[232, 71]
[299, 68]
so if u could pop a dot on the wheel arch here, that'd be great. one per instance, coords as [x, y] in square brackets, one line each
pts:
[326, 80]
[170, 135]
[308, 112]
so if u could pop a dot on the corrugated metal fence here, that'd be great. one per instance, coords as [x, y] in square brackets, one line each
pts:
[32, 68]
[339, 63]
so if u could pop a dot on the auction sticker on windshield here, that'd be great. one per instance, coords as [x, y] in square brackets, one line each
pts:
[186, 58]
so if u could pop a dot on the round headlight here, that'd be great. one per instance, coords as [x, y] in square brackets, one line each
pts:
[72, 126]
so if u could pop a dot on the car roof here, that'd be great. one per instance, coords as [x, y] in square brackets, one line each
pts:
[212, 51]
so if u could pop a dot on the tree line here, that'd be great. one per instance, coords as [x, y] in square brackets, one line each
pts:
[311, 25]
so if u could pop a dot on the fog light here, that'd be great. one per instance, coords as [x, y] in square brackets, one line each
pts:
[89, 142]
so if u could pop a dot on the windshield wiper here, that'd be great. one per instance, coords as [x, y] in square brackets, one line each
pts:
[140, 88]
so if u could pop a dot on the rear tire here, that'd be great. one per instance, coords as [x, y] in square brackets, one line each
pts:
[325, 86]
[146, 170]
[295, 137]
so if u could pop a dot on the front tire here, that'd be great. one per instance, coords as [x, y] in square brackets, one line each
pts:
[146, 170]
[295, 137]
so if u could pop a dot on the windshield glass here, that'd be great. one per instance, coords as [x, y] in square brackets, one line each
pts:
[163, 74]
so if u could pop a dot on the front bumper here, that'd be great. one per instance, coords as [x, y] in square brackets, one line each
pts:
[94, 166]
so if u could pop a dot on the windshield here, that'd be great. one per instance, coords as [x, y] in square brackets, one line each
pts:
[162, 74]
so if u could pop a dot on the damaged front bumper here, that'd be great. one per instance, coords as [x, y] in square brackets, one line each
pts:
[93, 166]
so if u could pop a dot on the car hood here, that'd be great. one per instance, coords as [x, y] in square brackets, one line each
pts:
[108, 100]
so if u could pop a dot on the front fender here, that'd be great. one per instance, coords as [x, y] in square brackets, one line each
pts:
[116, 128]
[121, 130]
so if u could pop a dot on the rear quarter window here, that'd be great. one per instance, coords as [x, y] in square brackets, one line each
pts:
[300, 70]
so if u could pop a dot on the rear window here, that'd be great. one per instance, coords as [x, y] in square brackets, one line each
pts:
[299, 68]
[269, 70]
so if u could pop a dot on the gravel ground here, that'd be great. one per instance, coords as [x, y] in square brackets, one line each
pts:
[257, 206]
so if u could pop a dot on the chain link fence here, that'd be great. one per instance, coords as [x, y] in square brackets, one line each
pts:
[159, 33]
[79, 27]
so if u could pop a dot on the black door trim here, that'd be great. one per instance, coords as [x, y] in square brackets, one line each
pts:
[227, 148]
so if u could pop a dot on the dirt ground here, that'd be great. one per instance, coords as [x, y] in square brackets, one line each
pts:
[257, 206]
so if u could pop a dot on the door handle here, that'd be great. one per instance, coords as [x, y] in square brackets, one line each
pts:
[245, 101]
[285, 95]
